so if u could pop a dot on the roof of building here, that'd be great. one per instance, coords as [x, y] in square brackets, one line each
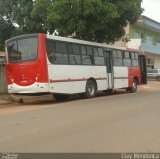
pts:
[149, 23]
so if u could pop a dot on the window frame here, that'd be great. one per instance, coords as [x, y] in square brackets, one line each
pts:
[17, 47]
[74, 54]
[117, 57]
[98, 55]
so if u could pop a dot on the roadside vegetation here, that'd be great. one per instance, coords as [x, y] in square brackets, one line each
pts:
[94, 20]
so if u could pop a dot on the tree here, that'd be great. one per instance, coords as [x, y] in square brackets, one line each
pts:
[95, 20]
[16, 18]
[6, 21]
[22, 16]
[39, 15]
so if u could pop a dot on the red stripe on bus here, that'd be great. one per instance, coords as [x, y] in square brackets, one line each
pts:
[73, 80]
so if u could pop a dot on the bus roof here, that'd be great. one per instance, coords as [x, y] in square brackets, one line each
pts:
[22, 36]
[68, 39]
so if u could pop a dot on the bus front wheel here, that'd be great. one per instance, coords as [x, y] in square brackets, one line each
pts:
[91, 89]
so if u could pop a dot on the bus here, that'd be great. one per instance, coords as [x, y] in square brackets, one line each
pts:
[48, 64]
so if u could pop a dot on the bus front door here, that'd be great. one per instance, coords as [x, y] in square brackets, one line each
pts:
[109, 69]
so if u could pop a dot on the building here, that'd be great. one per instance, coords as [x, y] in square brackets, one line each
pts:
[2, 57]
[144, 35]
[3, 81]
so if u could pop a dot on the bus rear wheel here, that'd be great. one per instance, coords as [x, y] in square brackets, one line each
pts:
[60, 97]
[133, 88]
[91, 89]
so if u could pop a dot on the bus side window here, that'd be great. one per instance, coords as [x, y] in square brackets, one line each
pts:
[83, 50]
[134, 57]
[87, 55]
[74, 54]
[127, 59]
[61, 53]
[50, 48]
[99, 56]
[117, 58]
[12, 48]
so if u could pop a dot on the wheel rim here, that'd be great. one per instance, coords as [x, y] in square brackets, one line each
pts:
[91, 90]
[134, 85]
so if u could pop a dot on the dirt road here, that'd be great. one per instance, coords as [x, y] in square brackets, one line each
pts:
[122, 122]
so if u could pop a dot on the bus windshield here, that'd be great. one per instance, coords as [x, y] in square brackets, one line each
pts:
[22, 49]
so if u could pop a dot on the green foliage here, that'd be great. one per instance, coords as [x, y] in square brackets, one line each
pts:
[39, 15]
[6, 26]
[22, 14]
[16, 19]
[94, 20]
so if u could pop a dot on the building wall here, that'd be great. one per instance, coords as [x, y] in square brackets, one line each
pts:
[3, 81]
[134, 43]
[157, 63]
[2, 57]
[144, 35]
[150, 40]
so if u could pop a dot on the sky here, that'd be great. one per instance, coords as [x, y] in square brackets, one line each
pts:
[152, 9]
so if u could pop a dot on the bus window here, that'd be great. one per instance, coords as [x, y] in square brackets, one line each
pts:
[134, 59]
[95, 51]
[18, 49]
[86, 60]
[61, 56]
[61, 47]
[86, 55]
[117, 58]
[70, 50]
[100, 52]
[83, 50]
[133, 55]
[119, 54]
[12, 52]
[127, 59]
[99, 57]
[89, 50]
[74, 56]
[99, 60]
[75, 59]
[75, 49]
[50, 47]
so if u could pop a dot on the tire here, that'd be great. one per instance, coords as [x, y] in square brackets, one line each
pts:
[60, 97]
[91, 89]
[134, 86]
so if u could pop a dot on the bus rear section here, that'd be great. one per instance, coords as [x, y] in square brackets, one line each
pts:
[26, 65]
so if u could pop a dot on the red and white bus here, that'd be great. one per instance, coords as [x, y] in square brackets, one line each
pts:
[40, 64]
